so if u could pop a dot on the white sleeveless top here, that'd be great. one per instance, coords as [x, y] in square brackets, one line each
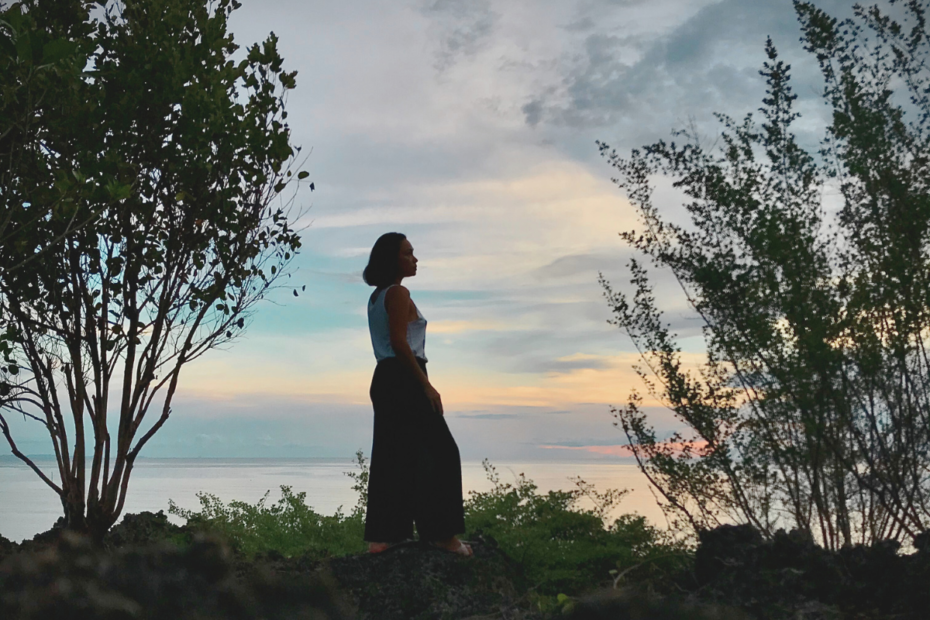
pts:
[381, 333]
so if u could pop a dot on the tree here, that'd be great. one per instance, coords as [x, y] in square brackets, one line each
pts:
[812, 409]
[188, 152]
[41, 82]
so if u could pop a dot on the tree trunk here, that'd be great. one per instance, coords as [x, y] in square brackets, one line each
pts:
[73, 505]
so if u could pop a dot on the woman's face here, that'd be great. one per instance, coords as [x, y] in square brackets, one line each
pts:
[407, 261]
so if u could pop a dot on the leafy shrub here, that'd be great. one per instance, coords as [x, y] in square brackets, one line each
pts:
[360, 484]
[561, 546]
[289, 526]
[564, 547]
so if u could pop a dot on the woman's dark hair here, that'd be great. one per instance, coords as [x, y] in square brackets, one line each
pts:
[382, 264]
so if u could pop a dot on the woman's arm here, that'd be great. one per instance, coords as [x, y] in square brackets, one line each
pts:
[398, 304]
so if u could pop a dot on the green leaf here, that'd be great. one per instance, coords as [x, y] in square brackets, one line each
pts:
[24, 48]
[119, 191]
[57, 50]
[303, 174]
[7, 45]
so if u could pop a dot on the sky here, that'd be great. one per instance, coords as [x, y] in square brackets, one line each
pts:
[470, 126]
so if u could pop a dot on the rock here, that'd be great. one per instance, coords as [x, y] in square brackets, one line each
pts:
[75, 580]
[7, 547]
[415, 581]
[789, 576]
[922, 542]
[724, 548]
[632, 604]
[145, 528]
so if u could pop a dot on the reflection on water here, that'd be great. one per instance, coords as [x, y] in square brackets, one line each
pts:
[27, 506]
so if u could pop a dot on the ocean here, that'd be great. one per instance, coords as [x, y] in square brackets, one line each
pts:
[28, 507]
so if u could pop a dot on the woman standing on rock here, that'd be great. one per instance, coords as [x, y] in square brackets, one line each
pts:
[416, 474]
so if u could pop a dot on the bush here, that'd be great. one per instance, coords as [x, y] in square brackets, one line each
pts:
[561, 547]
[564, 548]
[289, 526]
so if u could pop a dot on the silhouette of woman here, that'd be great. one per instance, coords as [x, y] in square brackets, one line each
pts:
[416, 473]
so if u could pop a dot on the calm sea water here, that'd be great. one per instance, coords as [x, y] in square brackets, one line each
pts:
[27, 506]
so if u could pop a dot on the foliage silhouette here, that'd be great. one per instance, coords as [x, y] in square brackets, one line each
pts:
[564, 547]
[289, 526]
[812, 409]
[560, 546]
[184, 155]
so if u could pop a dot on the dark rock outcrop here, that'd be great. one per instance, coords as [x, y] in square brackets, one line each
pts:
[145, 528]
[75, 580]
[789, 576]
[415, 581]
[633, 604]
[7, 547]
[149, 568]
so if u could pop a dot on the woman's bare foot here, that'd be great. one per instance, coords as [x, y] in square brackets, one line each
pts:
[375, 547]
[454, 545]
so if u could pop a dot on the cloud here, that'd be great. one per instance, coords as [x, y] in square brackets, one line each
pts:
[352, 252]
[458, 327]
[612, 450]
[644, 83]
[470, 126]
[533, 111]
[572, 265]
[624, 450]
[566, 384]
[569, 363]
[463, 26]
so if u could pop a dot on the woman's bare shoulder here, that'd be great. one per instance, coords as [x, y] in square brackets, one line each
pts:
[396, 294]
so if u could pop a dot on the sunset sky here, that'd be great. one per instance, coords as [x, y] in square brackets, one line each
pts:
[470, 125]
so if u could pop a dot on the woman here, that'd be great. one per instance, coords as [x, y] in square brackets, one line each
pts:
[416, 474]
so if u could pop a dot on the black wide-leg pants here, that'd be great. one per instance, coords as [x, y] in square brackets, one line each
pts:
[416, 472]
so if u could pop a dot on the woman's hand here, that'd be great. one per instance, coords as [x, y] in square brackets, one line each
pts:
[433, 396]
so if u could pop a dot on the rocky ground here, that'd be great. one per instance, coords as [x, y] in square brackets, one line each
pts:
[143, 572]
[151, 569]
[789, 576]
[72, 580]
